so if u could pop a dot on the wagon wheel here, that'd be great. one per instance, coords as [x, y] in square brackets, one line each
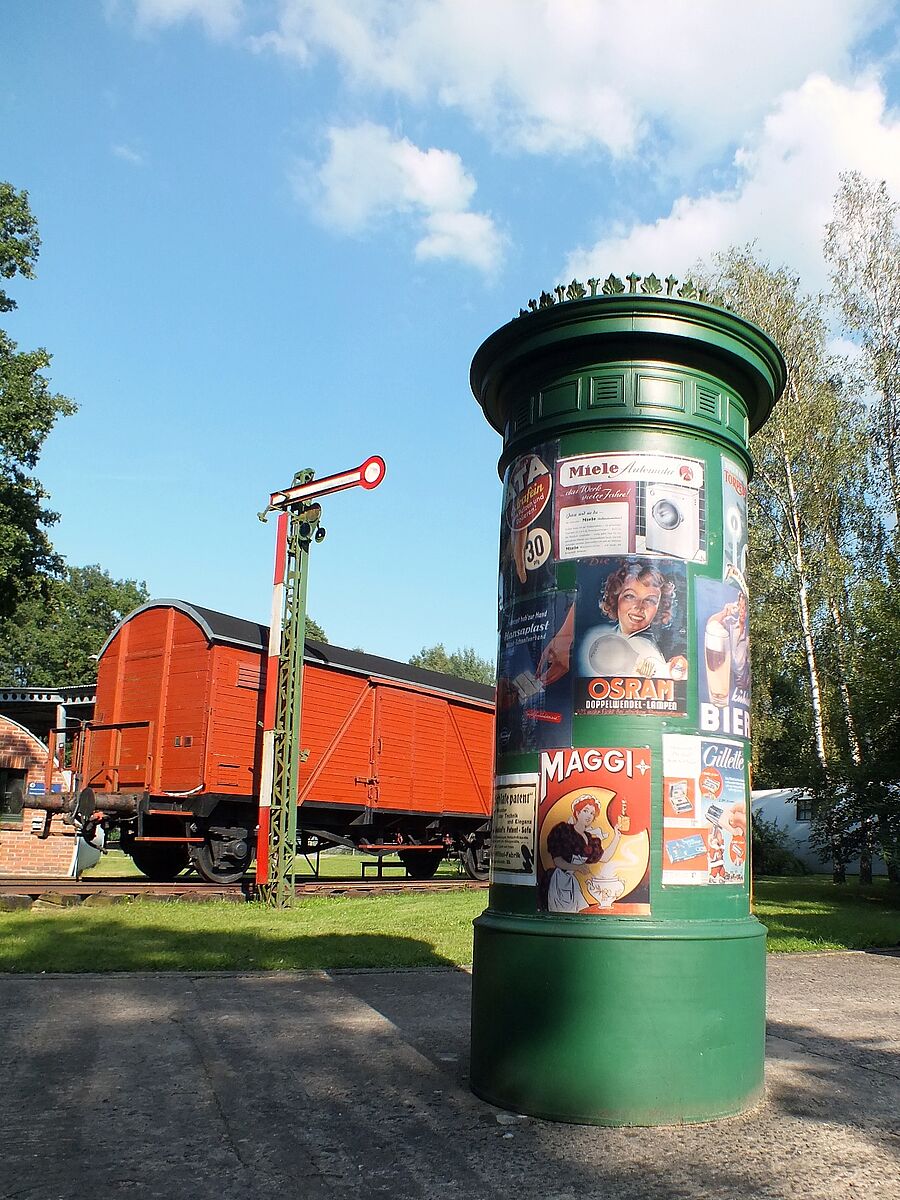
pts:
[225, 869]
[161, 863]
[420, 864]
[476, 859]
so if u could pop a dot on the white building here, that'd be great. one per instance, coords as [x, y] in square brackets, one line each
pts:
[791, 810]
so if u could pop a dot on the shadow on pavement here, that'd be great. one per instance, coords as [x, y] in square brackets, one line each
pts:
[340, 1085]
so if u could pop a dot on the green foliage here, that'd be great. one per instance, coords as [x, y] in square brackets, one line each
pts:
[28, 411]
[772, 853]
[19, 241]
[314, 630]
[55, 633]
[464, 663]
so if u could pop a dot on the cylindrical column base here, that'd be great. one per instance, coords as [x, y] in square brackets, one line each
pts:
[618, 1026]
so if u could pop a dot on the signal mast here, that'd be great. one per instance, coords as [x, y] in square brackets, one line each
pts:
[298, 526]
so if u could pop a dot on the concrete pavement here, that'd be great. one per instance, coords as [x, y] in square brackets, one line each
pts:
[338, 1084]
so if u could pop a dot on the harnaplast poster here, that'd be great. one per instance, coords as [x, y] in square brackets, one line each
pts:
[594, 831]
[723, 641]
[704, 810]
[534, 685]
[526, 530]
[630, 504]
[630, 637]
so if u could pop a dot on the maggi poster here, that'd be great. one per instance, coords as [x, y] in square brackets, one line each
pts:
[594, 832]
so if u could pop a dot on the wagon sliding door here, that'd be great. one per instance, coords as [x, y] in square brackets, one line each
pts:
[422, 760]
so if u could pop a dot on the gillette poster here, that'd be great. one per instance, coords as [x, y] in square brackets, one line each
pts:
[630, 637]
[526, 528]
[594, 832]
[630, 504]
[534, 682]
[723, 641]
[704, 811]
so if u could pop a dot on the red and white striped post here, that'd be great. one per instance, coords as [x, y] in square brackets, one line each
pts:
[267, 770]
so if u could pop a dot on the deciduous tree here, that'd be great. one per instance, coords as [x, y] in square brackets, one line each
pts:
[28, 411]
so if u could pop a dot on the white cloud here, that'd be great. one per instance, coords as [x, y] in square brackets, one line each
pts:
[127, 154]
[788, 174]
[566, 75]
[470, 237]
[369, 175]
[220, 18]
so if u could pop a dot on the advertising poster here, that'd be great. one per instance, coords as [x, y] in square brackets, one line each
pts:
[630, 504]
[526, 528]
[512, 834]
[630, 637]
[534, 683]
[723, 647]
[594, 832]
[734, 519]
[704, 811]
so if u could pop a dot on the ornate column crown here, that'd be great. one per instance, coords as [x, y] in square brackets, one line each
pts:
[651, 285]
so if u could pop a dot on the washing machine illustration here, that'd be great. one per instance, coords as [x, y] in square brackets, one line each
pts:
[673, 520]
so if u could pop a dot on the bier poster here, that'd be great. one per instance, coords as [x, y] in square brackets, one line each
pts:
[630, 504]
[723, 645]
[526, 527]
[534, 683]
[594, 832]
[630, 637]
[512, 833]
[704, 811]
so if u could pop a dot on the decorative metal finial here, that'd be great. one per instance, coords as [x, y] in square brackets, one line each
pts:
[612, 285]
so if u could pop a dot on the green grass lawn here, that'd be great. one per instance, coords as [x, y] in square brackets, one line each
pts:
[114, 864]
[407, 930]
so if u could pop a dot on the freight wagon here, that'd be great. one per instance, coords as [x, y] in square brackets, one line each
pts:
[400, 758]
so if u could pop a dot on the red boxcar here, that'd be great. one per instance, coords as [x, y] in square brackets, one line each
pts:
[396, 754]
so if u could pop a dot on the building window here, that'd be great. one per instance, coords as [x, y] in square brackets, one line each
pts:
[804, 809]
[12, 797]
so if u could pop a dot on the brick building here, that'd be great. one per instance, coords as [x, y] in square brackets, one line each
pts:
[32, 842]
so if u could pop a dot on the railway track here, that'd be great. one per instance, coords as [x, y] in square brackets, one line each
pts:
[76, 890]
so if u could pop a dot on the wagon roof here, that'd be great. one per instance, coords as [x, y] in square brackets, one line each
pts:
[235, 631]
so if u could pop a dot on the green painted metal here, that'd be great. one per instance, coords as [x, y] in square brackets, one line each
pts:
[590, 1016]
[303, 524]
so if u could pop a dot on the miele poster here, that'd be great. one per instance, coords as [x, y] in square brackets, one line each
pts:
[594, 832]
[630, 504]
[704, 811]
[734, 521]
[526, 537]
[513, 827]
[723, 648]
[630, 637]
[534, 683]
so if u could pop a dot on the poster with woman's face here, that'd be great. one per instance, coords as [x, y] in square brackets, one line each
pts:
[593, 852]
[630, 649]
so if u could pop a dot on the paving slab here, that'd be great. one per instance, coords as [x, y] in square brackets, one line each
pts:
[339, 1084]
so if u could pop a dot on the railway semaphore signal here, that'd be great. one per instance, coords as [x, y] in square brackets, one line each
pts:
[299, 517]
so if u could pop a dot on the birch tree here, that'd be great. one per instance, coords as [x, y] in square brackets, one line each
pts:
[809, 513]
[862, 247]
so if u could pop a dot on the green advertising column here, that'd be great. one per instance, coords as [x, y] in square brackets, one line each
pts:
[619, 976]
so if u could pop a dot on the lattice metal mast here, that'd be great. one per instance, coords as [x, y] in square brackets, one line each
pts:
[298, 527]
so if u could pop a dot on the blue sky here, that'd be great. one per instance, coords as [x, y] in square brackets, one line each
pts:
[276, 231]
